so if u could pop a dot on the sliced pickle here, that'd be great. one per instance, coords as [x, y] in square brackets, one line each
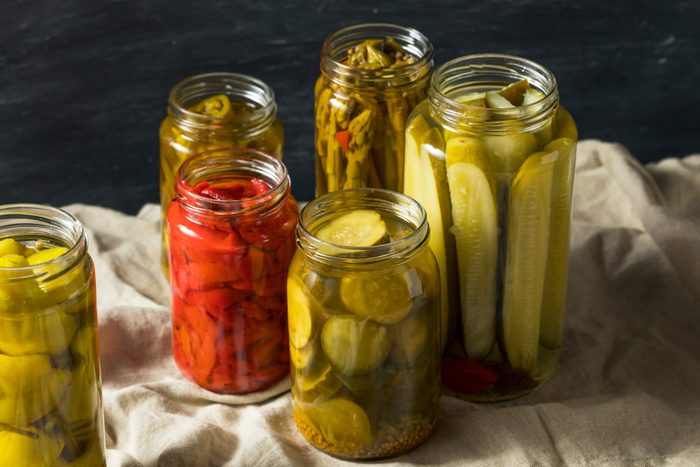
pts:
[298, 314]
[476, 232]
[414, 131]
[361, 227]
[473, 151]
[316, 381]
[510, 151]
[408, 340]
[531, 96]
[29, 388]
[515, 92]
[526, 260]
[28, 446]
[354, 345]
[340, 422]
[554, 298]
[566, 127]
[382, 297]
[301, 357]
[430, 192]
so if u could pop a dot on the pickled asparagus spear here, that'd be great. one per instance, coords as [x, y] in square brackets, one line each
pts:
[554, 297]
[360, 135]
[476, 232]
[526, 260]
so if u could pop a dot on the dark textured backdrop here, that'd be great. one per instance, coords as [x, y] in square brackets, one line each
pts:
[83, 84]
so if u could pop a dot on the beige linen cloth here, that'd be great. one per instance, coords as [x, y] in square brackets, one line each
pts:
[626, 392]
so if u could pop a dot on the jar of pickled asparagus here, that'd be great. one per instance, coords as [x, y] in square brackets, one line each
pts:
[372, 76]
[214, 110]
[50, 393]
[363, 325]
[231, 241]
[490, 156]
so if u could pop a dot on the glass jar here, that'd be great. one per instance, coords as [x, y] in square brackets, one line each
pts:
[50, 392]
[490, 157]
[364, 330]
[209, 111]
[361, 105]
[231, 241]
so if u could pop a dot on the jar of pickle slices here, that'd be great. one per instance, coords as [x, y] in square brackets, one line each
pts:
[50, 393]
[214, 110]
[364, 330]
[490, 155]
[231, 241]
[372, 76]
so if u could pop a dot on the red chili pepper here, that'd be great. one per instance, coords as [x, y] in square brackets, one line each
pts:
[343, 138]
[467, 376]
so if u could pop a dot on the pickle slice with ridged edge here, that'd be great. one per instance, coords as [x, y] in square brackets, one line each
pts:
[361, 227]
[385, 298]
[340, 421]
[476, 232]
[354, 345]
[298, 314]
[526, 260]
[554, 298]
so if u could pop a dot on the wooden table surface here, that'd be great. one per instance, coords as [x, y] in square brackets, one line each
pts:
[83, 84]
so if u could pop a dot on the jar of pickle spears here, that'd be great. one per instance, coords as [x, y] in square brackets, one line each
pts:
[50, 393]
[214, 110]
[372, 76]
[490, 156]
[231, 230]
[364, 329]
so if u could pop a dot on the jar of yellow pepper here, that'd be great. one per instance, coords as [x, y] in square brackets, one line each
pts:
[211, 111]
[50, 396]
[372, 76]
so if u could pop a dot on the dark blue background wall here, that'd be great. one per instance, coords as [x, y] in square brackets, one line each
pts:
[83, 84]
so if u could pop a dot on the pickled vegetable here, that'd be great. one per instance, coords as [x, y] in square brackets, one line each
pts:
[507, 210]
[359, 132]
[362, 227]
[229, 290]
[364, 346]
[369, 341]
[181, 139]
[50, 408]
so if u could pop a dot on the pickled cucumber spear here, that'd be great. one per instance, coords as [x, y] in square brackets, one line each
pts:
[526, 259]
[476, 233]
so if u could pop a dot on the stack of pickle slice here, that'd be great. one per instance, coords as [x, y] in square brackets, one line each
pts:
[49, 389]
[503, 204]
[360, 346]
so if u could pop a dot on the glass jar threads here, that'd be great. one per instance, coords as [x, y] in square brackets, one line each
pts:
[50, 393]
[231, 234]
[372, 76]
[214, 110]
[363, 325]
[490, 155]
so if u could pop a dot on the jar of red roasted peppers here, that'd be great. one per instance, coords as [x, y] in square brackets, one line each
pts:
[231, 236]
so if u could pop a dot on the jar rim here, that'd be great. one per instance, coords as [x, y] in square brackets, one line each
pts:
[237, 86]
[337, 44]
[459, 74]
[244, 161]
[30, 218]
[365, 198]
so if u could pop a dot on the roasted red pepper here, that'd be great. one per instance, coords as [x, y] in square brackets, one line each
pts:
[228, 276]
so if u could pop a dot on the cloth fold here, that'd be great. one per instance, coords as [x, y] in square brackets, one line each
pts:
[626, 391]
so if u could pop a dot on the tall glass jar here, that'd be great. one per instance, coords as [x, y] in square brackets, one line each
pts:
[490, 155]
[214, 110]
[364, 328]
[231, 241]
[372, 76]
[50, 392]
